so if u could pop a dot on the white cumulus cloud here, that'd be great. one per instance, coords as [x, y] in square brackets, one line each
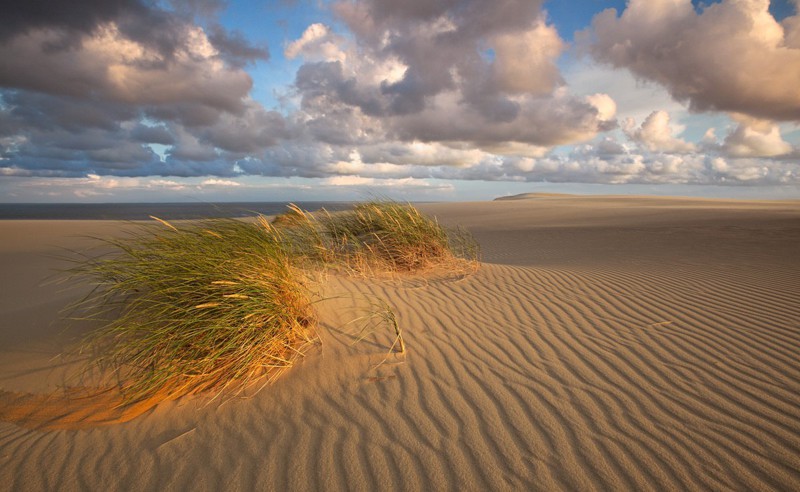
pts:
[755, 138]
[657, 135]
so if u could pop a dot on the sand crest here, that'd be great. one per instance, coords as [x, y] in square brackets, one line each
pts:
[606, 343]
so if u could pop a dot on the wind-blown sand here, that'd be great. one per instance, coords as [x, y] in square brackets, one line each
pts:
[606, 343]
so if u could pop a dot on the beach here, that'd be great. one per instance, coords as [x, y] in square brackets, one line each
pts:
[605, 343]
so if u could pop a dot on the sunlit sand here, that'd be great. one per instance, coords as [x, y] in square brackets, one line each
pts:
[604, 343]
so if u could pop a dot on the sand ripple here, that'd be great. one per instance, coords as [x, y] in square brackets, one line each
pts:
[628, 372]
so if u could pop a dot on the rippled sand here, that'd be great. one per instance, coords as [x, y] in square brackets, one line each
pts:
[606, 343]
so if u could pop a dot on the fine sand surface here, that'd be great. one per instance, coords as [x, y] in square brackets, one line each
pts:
[606, 343]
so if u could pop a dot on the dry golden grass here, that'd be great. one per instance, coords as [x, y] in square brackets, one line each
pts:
[220, 304]
[376, 238]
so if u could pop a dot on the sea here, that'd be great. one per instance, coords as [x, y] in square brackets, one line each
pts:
[143, 211]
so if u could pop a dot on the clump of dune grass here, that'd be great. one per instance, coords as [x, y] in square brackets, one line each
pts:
[305, 238]
[377, 237]
[200, 307]
[220, 304]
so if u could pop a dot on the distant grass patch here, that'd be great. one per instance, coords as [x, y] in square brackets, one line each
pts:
[377, 237]
[219, 304]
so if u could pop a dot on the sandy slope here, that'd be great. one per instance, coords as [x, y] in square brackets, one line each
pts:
[625, 343]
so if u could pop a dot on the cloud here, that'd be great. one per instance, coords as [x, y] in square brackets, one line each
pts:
[48, 134]
[470, 71]
[730, 56]
[524, 62]
[633, 98]
[126, 52]
[318, 43]
[166, 183]
[141, 96]
[83, 17]
[140, 21]
[108, 67]
[755, 138]
[248, 133]
[219, 182]
[158, 134]
[591, 165]
[656, 134]
[545, 122]
[751, 171]
[349, 181]
[235, 48]
[604, 104]
[133, 75]
[396, 184]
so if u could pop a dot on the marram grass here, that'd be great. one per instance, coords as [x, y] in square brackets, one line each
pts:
[377, 237]
[220, 304]
[197, 307]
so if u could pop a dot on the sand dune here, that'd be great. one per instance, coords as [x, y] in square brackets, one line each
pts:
[606, 343]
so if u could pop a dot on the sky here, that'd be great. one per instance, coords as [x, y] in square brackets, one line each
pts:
[298, 100]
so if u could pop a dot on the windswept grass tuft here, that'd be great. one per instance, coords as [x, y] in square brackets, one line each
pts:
[197, 307]
[380, 314]
[377, 237]
[219, 304]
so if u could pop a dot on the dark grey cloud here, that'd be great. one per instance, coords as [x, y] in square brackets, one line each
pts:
[22, 16]
[142, 21]
[235, 48]
[324, 83]
[96, 156]
[48, 112]
[412, 10]
[201, 8]
[37, 131]
[544, 122]
[158, 134]
[48, 134]
[91, 85]
[42, 136]
[70, 24]
[250, 133]
[441, 43]
[129, 51]
[103, 69]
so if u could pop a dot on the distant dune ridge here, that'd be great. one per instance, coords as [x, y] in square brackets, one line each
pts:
[525, 196]
[622, 343]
